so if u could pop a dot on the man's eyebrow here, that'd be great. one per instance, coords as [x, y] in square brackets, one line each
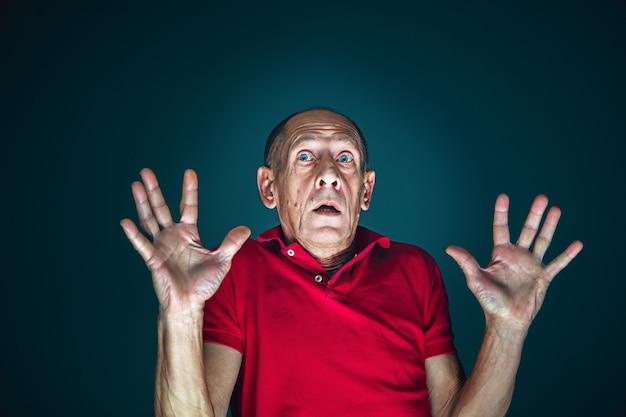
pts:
[307, 138]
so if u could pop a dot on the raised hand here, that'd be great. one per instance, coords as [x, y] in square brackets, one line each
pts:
[512, 287]
[184, 273]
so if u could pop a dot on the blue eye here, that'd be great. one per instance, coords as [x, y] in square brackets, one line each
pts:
[345, 158]
[305, 157]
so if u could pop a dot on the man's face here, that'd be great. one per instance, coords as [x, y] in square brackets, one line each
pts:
[321, 186]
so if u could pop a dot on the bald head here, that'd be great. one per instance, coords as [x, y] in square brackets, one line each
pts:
[278, 139]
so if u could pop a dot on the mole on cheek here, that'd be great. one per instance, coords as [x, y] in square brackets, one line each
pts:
[292, 203]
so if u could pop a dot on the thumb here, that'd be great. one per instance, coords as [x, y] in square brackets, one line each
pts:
[234, 240]
[464, 259]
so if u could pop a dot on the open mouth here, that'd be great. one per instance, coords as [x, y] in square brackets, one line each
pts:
[326, 209]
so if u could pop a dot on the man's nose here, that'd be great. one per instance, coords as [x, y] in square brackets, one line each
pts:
[328, 176]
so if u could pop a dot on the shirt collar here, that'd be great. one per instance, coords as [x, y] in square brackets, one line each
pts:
[364, 239]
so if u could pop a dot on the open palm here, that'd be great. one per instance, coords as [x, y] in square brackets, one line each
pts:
[184, 273]
[512, 287]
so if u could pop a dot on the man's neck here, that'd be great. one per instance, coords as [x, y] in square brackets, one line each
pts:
[331, 256]
[334, 262]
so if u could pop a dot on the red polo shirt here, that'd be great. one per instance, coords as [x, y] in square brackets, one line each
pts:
[353, 344]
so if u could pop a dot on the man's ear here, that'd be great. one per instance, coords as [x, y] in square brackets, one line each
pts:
[368, 184]
[265, 184]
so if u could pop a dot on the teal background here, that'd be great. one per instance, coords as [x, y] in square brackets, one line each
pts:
[459, 101]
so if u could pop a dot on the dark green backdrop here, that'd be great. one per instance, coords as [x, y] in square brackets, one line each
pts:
[459, 100]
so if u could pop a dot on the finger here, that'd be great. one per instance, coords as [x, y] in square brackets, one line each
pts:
[564, 258]
[464, 259]
[531, 225]
[139, 241]
[547, 231]
[501, 233]
[233, 241]
[144, 209]
[189, 199]
[155, 196]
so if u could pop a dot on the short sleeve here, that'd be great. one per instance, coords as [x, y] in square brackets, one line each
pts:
[220, 317]
[438, 335]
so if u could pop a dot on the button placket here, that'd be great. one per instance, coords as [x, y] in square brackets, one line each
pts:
[307, 264]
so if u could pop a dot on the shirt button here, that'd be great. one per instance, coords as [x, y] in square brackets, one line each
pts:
[291, 252]
[318, 278]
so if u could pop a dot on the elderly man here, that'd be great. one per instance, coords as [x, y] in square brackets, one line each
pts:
[320, 316]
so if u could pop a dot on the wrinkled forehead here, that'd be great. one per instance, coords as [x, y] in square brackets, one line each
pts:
[320, 123]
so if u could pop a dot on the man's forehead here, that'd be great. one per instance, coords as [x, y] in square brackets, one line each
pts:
[322, 122]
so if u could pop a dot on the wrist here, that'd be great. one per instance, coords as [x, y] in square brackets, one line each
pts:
[183, 318]
[506, 329]
[179, 331]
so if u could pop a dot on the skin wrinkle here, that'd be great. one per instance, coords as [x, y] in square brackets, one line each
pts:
[276, 157]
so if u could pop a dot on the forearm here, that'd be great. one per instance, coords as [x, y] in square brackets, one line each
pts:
[489, 389]
[180, 384]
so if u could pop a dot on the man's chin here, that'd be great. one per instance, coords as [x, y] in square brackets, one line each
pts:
[328, 236]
